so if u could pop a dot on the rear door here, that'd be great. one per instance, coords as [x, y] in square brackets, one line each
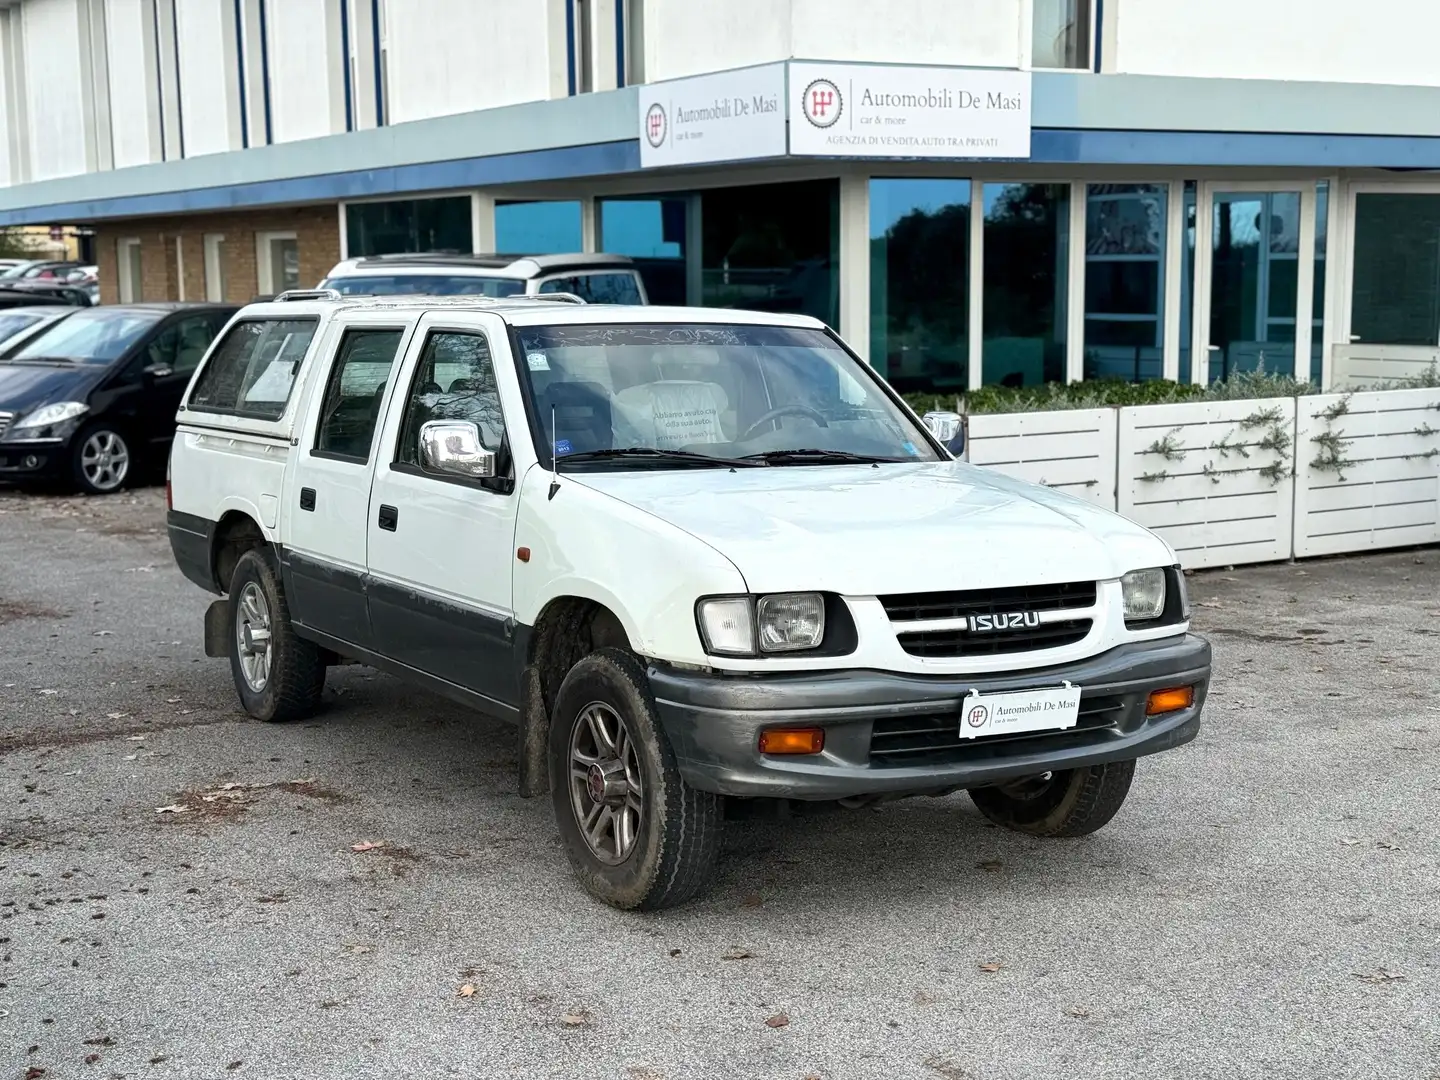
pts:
[328, 486]
[441, 547]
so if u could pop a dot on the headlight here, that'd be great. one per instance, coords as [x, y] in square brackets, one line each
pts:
[1144, 593]
[782, 622]
[48, 416]
[791, 621]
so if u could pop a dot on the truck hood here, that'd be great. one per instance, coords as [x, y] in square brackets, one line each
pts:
[865, 531]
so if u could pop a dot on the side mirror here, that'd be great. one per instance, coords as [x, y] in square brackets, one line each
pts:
[454, 447]
[948, 428]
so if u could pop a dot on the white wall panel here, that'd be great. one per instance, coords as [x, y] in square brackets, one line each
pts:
[209, 77]
[691, 37]
[54, 88]
[489, 53]
[1380, 41]
[134, 108]
[1072, 451]
[971, 33]
[304, 55]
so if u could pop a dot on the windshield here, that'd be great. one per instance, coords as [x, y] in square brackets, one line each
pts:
[423, 285]
[725, 391]
[90, 336]
[12, 323]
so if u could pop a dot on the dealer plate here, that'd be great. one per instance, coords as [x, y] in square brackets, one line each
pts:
[1051, 709]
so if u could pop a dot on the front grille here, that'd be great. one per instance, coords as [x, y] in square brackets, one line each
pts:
[906, 608]
[924, 740]
[6, 419]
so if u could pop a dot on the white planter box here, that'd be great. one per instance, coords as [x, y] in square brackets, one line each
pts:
[1212, 497]
[1390, 493]
[1072, 451]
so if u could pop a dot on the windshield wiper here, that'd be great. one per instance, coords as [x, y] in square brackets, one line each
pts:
[656, 456]
[815, 457]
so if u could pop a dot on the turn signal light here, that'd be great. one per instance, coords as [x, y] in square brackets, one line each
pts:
[810, 740]
[1172, 700]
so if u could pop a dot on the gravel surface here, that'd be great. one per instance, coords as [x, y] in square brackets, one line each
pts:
[1266, 903]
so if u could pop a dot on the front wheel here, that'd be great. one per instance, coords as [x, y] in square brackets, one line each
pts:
[637, 835]
[1072, 802]
[101, 460]
[278, 675]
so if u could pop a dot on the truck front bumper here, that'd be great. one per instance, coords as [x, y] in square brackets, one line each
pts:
[896, 734]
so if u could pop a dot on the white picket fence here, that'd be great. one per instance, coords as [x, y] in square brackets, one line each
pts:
[1229, 482]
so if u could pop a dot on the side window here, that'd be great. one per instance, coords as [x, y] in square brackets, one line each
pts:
[252, 370]
[597, 288]
[354, 392]
[454, 380]
[182, 344]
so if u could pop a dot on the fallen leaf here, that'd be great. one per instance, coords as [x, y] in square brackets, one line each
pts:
[738, 954]
[779, 1020]
[172, 701]
[130, 757]
[1387, 845]
[674, 952]
[129, 738]
[49, 691]
[173, 808]
[991, 866]
[103, 633]
[575, 1019]
[992, 967]
[1349, 841]
[1380, 975]
[468, 990]
[367, 845]
[1078, 1012]
[753, 900]
[360, 948]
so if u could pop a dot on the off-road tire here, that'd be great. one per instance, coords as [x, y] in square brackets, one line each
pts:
[297, 666]
[678, 842]
[1074, 803]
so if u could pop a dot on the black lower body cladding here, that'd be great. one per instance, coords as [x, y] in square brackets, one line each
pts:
[714, 723]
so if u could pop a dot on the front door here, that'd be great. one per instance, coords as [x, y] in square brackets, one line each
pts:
[162, 369]
[441, 547]
[1254, 279]
[328, 491]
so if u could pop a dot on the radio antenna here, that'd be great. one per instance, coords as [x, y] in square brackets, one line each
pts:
[554, 456]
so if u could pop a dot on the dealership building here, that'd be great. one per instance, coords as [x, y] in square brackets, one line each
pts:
[971, 191]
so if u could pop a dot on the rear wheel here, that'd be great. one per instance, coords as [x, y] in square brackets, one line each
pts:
[278, 675]
[637, 835]
[101, 460]
[1073, 802]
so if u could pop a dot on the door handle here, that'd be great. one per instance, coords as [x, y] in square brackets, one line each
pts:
[389, 517]
[307, 498]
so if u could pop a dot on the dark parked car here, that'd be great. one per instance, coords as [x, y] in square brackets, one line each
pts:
[19, 323]
[92, 399]
[39, 291]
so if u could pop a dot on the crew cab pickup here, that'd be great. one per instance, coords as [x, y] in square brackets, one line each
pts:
[698, 556]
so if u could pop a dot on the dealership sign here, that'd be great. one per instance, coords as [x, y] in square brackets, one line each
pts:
[723, 117]
[864, 110]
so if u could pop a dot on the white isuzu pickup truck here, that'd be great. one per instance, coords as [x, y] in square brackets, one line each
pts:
[696, 555]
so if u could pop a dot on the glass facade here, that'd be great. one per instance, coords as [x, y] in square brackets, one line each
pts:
[1255, 244]
[1027, 229]
[772, 247]
[919, 283]
[1060, 34]
[538, 228]
[1317, 312]
[1396, 282]
[1125, 233]
[652, 232]
[386, 228]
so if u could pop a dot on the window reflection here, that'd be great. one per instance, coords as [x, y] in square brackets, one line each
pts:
[919, 283]
[652, 232]
[405, 225]
[1396, 289]
[1125, 280]
[537, 228]
[1255, 241]
[1026, 253]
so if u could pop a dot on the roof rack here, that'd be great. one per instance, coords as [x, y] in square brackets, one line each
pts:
[557, 297]
[307, 294]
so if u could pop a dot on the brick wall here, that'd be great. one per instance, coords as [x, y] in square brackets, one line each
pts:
[317, 236]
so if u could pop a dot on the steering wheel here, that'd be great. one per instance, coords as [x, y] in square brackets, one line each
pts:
[783, 410]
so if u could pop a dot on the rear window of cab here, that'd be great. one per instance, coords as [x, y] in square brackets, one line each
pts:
[251, 371]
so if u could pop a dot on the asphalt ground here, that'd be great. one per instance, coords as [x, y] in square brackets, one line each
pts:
[1266, 903]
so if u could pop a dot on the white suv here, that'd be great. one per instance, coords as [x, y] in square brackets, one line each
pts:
[596, 279]
[696, 555]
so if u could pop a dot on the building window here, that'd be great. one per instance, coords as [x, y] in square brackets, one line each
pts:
[1125, 280]
[1027, 228]
[652, 232]
[583, 43]
[774, 247]
[634, 42]
[131, 288]
[385, 228]
[1254, 279]
[1317, 311]
[920, 283]
[277, 262]
[1060, 33]
[537, 228]
[215, 267]
[1396, 287]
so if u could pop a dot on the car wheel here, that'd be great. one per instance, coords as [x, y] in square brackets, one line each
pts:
[637, 835]
[278, 675]
[101, 460]
[1073, 802]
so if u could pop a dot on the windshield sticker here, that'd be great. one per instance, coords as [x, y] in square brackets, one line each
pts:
[912, 449]
[562, 446]
[537, 361]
